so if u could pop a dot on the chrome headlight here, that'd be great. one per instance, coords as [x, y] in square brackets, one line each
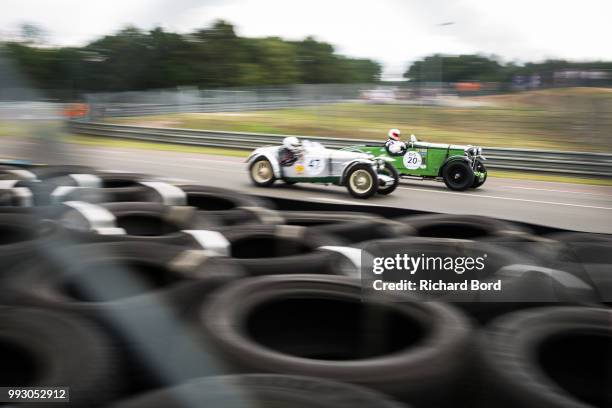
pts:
[380, 163]
[479, 151]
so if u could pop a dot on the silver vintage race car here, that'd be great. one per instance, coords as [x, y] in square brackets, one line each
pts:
[363, 174]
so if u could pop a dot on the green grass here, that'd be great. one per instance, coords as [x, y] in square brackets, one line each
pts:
[566, 119]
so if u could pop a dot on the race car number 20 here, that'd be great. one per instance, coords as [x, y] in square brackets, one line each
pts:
[412, 160]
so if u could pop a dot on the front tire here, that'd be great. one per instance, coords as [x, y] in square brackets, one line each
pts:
[458, 175]
[389, 170]
[261, 172]
[481, 168]
[362, 181]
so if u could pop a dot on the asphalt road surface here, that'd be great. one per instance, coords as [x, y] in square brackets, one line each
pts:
[563, 205]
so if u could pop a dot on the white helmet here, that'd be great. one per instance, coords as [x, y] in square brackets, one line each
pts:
[394, 134]
[292, 143]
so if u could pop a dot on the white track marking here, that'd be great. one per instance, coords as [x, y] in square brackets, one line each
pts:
[561, 191]
[507, 198]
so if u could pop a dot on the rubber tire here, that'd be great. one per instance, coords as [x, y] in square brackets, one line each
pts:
[273, 250]
[69, 351]
[463, 166]
[250, 390]
[373, 175]
[415, 374]
[515, 349]
[23, 237]
[228, 207]
[359, 231]
[143, 222]
[258, 184]
[463, 226]
[525, 284]
[56, 171]
[477, 183]
[389, 168]
[72, 277]
[321, 218]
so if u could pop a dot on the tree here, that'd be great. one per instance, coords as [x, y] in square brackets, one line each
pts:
[455, 68]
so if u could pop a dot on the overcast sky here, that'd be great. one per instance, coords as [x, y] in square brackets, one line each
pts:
[393, 32]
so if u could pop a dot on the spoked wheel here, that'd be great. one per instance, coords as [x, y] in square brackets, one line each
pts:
[480, 167]
[362, 181]
[458, 175]
[390, 171]
[261, 172]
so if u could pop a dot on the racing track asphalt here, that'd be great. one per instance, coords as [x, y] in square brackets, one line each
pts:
[562, 205]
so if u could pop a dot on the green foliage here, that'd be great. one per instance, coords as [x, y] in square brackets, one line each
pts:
[455, 68]
[132, 59]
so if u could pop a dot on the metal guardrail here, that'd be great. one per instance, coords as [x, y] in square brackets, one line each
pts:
[570, 163]
[121, 110]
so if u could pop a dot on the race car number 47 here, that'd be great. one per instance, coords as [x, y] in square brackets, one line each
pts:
[314, 165]
[412, 160]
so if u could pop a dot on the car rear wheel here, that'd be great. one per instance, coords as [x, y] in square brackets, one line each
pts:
[261, 172]
[362, 181]
[390, 171]
[480, 167]
[458, 175]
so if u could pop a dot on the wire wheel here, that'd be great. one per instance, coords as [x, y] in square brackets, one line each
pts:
[458, 175]
[262, 173]
[390, 171]
[362, 181]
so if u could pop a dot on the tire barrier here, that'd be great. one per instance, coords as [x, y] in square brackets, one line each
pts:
[15, 173]
[262, 390]
[282, 249]
[145, 222]
[351, 227]
[549, 357]
[317, 325]
[52, 349]
[230, 207]
[462, 226]
[23, 236]
[588, 256]
[44, 172]
[140, 191]
[185, 283]
[524, 280]
[86, 277]
[137, 292]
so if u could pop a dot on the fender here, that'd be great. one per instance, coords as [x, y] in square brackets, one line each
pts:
[271, 158]
[452, 159]
[350, 165]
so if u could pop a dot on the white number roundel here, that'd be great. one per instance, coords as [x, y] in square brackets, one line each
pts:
[314, 165]
[412, 160]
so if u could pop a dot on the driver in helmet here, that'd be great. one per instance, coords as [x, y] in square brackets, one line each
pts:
[394, 144]
[291, 151]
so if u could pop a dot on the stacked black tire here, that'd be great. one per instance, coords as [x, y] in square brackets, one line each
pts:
[138, 293]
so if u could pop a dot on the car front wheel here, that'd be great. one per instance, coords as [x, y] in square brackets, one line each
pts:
[390, 171]
[480, 167]
[261, 172]
[458, 175]
[362, 181]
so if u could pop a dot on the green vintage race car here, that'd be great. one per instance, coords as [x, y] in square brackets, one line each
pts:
[460, 167]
